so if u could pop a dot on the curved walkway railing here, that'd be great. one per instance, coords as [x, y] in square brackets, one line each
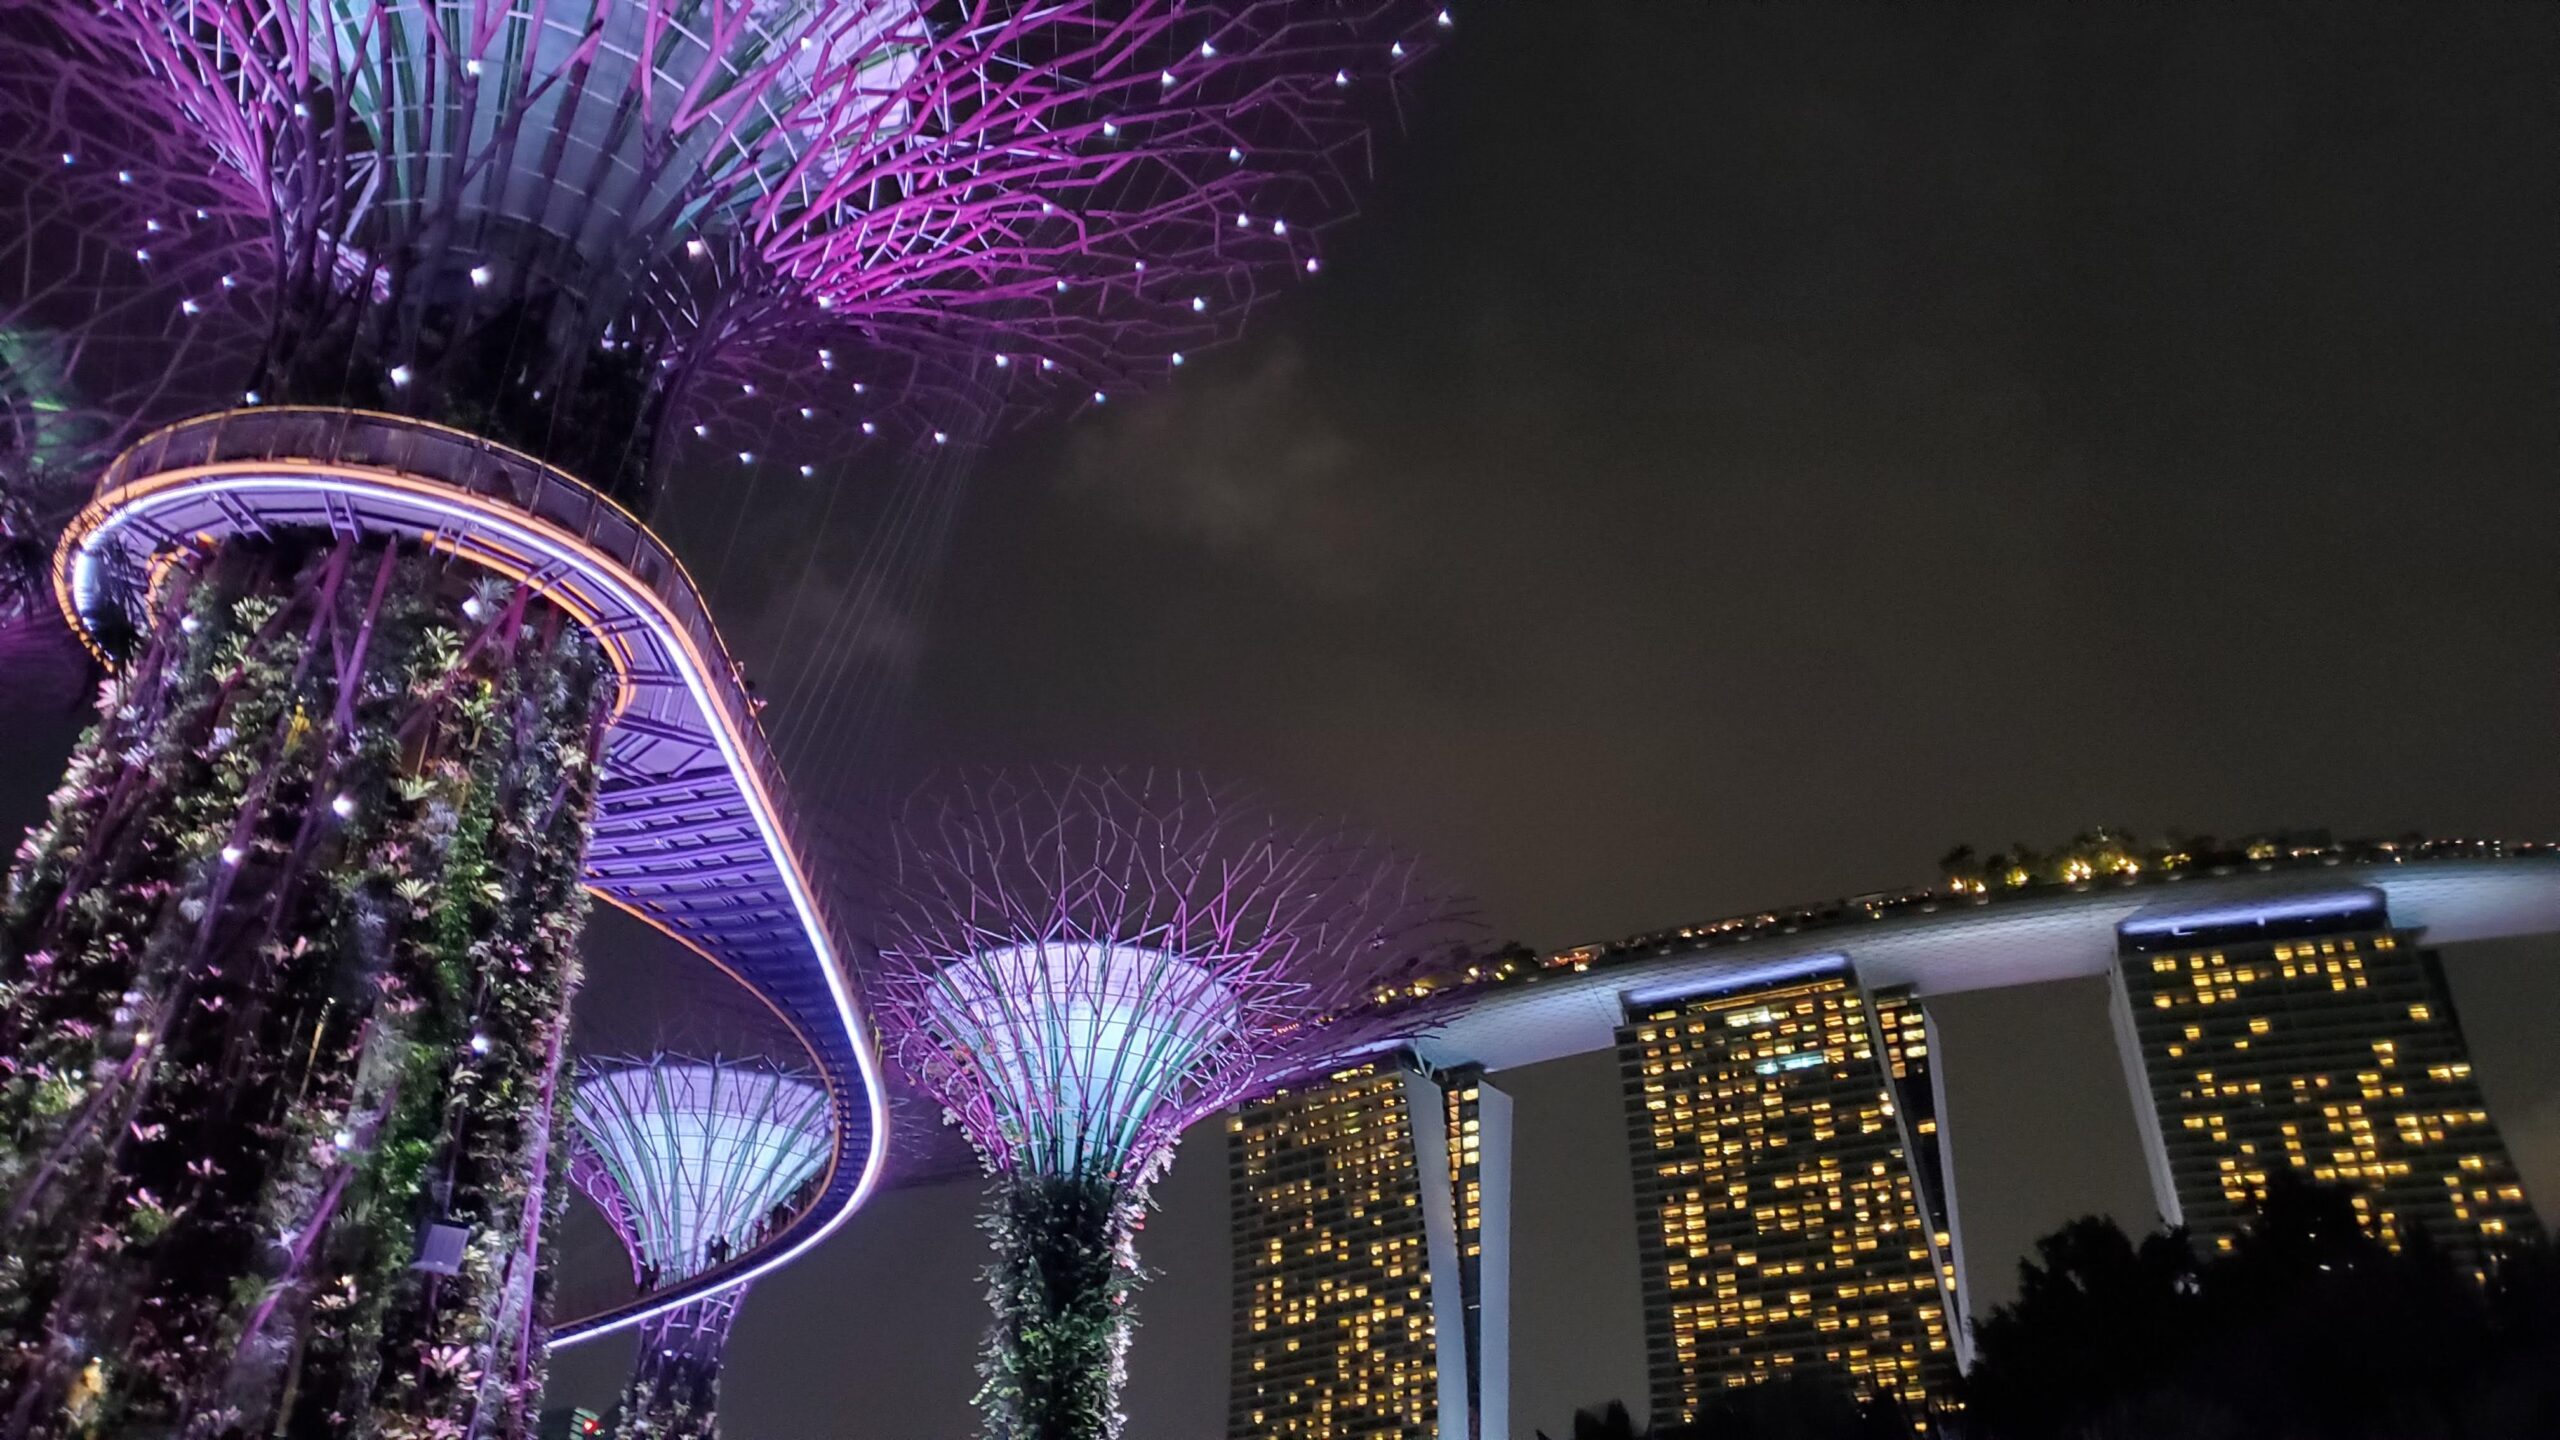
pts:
[692, 830]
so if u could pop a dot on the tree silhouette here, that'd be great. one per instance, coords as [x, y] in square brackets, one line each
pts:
[1809, 1406]
[1609, 1422]
[2310, 1327]
[2096, 1316]
[1818, 1405]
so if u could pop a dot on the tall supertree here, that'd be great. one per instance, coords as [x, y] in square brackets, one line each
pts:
[565, 226]
[1079, 966]
[691, 1160]
[288, 963]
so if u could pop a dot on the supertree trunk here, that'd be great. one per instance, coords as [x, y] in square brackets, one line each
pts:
[675, 1386]
[283, 977]
[1064, 1275]
[691, 1160]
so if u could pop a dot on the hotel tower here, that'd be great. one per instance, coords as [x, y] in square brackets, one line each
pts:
[2318, 1036]
[1784, 1226]
[1372, 1261]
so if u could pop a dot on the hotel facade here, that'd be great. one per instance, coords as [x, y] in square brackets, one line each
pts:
[1371, 1217]
[2318, 1039]
[1783, 1227]
[1794, 1175]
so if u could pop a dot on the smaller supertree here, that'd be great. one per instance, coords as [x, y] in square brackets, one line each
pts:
[692, 1160]
[1081, 965]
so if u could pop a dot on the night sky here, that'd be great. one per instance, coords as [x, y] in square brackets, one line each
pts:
[1740, 452]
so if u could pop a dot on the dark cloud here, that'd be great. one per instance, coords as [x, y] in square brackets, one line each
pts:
[1252, 463]
[1774, 443]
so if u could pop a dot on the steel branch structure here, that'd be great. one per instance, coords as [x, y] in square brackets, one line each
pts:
[585, 214]
[1081, 965]
[396, 673]
[122, 306]
[692, 1161]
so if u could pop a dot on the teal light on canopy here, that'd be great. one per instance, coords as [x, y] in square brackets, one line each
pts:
[698, 1151]
[1079, 1043]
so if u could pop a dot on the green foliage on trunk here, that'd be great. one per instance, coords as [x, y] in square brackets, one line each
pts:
[1061, 1286]
[642, 1416]
[283, 979]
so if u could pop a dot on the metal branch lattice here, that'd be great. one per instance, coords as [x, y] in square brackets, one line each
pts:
[1081, 964]
[997, 201]
[683, 1155]
[692, 1160]
[122, 300]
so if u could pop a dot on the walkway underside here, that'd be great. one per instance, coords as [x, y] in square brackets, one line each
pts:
[691, 834]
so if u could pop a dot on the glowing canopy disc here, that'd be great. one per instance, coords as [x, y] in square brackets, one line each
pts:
[1079, 1043]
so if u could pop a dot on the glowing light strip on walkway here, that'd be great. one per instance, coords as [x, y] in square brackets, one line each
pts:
[1721, 980]
[2167, 920]
[110, 512]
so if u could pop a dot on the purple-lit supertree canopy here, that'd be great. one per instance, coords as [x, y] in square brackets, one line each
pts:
[1079, 966]
[691, 1160]
[285, 971]
[562, 225]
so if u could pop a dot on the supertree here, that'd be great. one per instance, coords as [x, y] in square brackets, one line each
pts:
[563, 226]
[397, 682]
[691, 1160]
[1079, 965]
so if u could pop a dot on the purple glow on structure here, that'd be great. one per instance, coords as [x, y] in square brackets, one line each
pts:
[1078, 1043]
[96, 344]
[255, 490]
[682, 1153]
[693, 1161]
[1080, 965]
[773, 180]
[1737, 978]
[923, 182]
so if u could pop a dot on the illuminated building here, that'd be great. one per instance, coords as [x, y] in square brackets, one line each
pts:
[1081, 964]
[2460, 897]
[692, 1162]
[2318, 1036]
[1919, 1096]
[1372, 1253]
[1782, 1228]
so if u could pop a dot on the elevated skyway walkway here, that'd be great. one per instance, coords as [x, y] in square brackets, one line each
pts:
[1958, 944]
[693, 834]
